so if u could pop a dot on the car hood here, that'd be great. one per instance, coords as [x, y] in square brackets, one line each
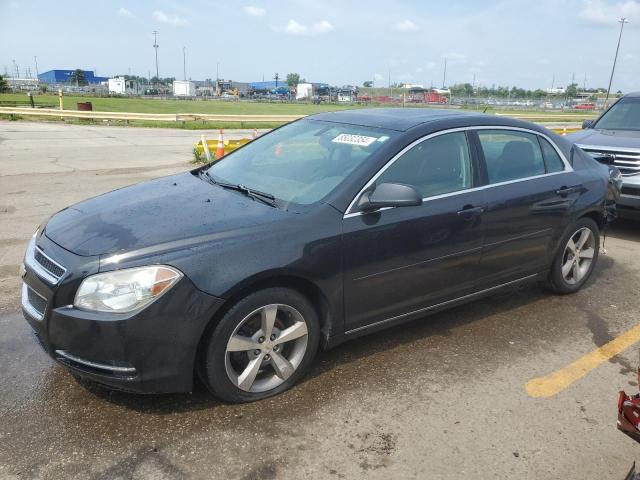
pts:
[606, 138]
[174, 210]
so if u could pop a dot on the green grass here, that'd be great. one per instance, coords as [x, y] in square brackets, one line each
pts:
[146, 105]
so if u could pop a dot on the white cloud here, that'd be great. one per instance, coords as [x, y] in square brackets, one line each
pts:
[599, 12]
[175, 20]
[455, 58]
[378, 77]
[322, 26]
[406, 26]
[254, 11]
[123, 12]
[294, 27]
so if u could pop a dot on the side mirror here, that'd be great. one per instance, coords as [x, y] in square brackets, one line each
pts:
[390, 195]
[587, 124]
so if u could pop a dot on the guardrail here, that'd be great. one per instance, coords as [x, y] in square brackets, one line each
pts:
[183, 117]
[159, 117]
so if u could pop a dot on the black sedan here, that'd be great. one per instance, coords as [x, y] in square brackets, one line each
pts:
[325, 229]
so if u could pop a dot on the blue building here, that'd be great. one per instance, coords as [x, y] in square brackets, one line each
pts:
[62, 76]
[268, 85]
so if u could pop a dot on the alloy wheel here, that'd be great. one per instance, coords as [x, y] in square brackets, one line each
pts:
[578, 255]
[266, 348]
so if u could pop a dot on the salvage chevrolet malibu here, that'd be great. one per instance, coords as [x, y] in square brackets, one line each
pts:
[325, 229]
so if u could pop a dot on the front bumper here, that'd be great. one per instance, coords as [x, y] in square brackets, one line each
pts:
[152, 350]
[629, 202]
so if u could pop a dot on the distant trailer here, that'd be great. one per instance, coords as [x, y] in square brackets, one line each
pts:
[184, 88]
[122, 86]
[304, 91]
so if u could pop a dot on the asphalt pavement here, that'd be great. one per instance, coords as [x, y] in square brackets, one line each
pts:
[443, 397]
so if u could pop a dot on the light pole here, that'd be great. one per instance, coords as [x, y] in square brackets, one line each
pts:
[622, 21]
[444, 74]
[184, 62]
[155, 45]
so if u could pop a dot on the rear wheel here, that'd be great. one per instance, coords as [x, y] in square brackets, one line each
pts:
[576, 257]
[261, 346]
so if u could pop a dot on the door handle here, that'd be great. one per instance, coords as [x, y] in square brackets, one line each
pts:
[469, 211]
[564, 191]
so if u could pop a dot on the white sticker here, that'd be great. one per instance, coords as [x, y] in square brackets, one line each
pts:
[350, 139]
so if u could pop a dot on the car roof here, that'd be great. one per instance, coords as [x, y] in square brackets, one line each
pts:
[632, 95]
[400, 119]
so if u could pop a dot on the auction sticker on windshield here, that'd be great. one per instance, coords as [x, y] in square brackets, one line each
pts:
[360, 140]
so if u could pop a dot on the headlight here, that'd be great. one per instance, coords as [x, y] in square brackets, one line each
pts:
[125, 290]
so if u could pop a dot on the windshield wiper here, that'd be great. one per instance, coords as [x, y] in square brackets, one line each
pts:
[249, 192]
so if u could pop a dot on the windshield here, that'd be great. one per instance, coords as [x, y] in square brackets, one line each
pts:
[623, 115]
[302, 162]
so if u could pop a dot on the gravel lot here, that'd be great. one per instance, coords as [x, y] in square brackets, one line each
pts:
[442, 397]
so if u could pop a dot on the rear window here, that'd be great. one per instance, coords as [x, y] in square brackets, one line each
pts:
[511, 155]
[551, 158]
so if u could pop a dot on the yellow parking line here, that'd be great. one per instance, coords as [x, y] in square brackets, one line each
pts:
[557, 381]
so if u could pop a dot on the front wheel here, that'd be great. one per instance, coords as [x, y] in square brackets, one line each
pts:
[261, 346]
[576, 258]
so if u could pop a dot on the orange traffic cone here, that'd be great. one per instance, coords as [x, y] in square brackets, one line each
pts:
[220, 149]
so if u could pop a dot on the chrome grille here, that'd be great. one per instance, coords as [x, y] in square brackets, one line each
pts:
[33, 303]
[631, 191]
[49, 265]
[43, 265]
[627, 159]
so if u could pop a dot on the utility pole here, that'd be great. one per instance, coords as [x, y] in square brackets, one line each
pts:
[276, 79]
[184, 62]
[622, 21]
[390, 91]
[35, 59]
[444, 75]
[155, 45]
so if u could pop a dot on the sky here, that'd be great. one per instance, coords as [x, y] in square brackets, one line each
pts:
[529, 44]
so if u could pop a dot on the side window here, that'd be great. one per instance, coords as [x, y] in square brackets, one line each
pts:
[551, 158]
[436, 166]
[511, 155]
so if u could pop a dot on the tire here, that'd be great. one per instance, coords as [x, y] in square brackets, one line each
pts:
[228, 364]
[568, 274]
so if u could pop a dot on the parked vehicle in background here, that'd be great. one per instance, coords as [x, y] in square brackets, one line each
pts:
[585, 106]
[616, 133]
[326, 229]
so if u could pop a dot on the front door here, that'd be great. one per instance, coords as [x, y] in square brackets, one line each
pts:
[400, 260]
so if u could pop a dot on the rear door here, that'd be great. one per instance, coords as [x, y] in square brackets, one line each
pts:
[400, 260]
[529, 191]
